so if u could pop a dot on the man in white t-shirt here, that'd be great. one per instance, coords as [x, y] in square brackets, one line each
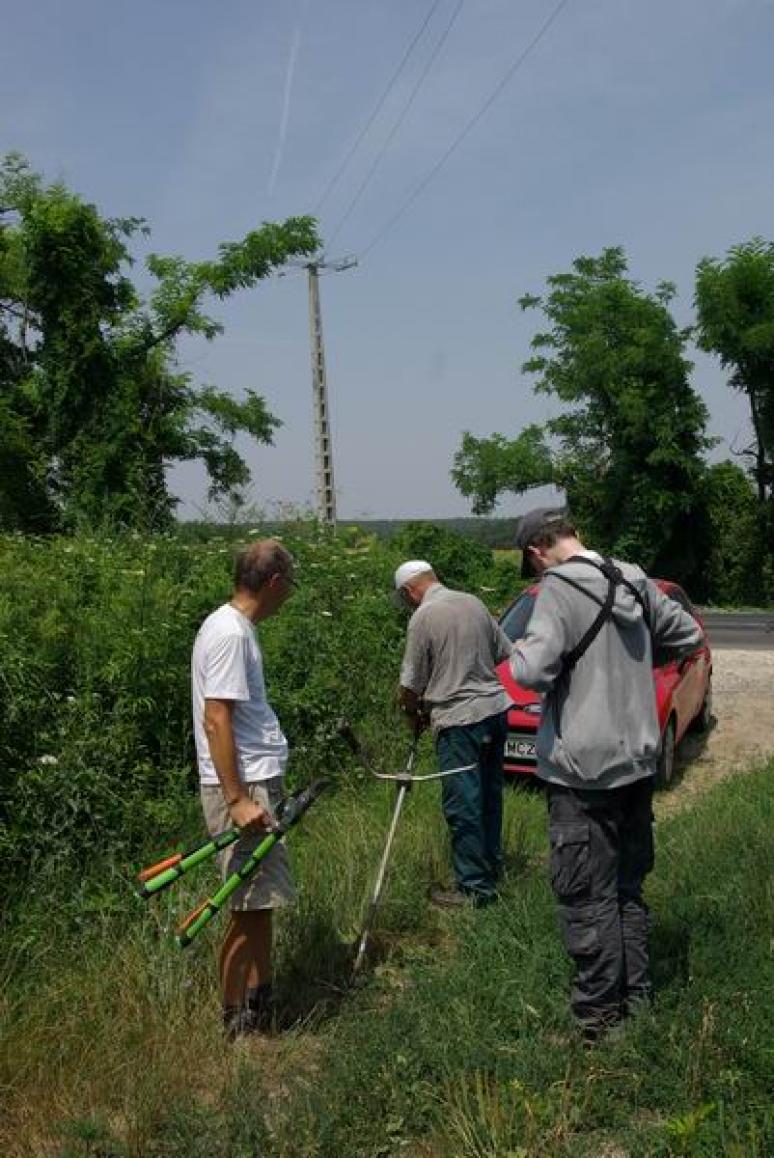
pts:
[242, 755]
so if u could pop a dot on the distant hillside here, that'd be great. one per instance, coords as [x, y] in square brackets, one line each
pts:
[490, 532]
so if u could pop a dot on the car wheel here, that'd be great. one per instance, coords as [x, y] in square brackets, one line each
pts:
[702, 721]
[666, 757]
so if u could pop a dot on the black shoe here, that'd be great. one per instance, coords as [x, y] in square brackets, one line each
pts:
[237, 1022]
[482, 900]
[257, 1015]
[261, 1008]
[593, 1033]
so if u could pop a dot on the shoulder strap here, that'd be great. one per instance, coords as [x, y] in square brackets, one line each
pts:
[584, 643]
[614, 578]
[612, 573]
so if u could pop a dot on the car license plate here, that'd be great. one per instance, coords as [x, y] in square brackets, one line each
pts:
[520, 747]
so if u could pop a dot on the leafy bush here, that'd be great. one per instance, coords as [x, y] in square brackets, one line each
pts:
[457, 561]
[95, 642]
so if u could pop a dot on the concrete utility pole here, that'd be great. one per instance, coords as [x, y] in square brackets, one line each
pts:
[326, 491]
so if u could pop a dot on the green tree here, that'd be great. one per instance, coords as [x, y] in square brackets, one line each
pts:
[96, 409]
[455, 559]
[627, 450]
[735, 306]
[732, 571]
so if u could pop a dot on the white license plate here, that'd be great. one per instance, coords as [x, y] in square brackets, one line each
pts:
[520, 747]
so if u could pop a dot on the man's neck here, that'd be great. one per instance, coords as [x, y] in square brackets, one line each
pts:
[566, 548]
[430, 587]
[247, 604]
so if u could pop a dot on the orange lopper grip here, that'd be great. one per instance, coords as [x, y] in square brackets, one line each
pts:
[149, 873]
[192, 917]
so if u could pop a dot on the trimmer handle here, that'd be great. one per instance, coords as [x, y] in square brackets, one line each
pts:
[344, 729]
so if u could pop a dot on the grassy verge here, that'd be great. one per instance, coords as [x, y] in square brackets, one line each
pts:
[459, 1043]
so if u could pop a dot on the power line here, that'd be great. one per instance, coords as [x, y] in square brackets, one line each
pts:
[470, 125]
[414, 92]
[351, 152]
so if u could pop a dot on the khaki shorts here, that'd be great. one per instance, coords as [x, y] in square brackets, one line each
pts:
[271, 886]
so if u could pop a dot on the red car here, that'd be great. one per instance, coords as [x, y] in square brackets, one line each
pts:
[683, 691]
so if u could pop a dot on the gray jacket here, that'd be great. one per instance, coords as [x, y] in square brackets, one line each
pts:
[608, 732]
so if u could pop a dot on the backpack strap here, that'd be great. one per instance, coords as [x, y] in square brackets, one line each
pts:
[614, 575]
[570, 658]
[615, 579]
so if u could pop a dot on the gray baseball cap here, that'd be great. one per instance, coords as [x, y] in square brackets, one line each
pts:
[532, 526]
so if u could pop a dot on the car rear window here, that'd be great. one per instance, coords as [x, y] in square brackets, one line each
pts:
[514, 622]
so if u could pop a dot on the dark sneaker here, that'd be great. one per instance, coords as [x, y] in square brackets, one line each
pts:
[257, 1015]
[481, 900]
[592, 1033]
[237, 1021]
[261, 1009]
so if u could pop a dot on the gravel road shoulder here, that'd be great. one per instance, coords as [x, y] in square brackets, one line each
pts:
[743, 734]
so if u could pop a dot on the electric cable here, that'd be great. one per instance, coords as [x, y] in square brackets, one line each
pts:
[391, 136]
[377, 109]
[470, 125]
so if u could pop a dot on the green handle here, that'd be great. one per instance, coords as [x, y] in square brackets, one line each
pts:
[188, 861]
[212, 907]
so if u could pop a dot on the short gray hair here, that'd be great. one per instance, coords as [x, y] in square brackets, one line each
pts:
[258, 561]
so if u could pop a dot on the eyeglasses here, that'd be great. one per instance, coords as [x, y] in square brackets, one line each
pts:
[289, 579]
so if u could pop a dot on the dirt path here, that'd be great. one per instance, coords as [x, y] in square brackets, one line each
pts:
[743, 704]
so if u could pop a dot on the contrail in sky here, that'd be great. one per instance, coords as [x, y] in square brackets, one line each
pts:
[283, 128]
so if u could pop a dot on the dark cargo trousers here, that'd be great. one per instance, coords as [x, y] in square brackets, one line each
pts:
[473, 802]
[601, 851]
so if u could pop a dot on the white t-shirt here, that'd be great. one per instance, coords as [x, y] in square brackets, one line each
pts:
[227, 665]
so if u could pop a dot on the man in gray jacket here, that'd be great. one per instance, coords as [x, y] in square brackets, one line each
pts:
[588, 648]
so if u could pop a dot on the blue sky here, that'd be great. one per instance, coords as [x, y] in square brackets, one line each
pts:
[642, 125]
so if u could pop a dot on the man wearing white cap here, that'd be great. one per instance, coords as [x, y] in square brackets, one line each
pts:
[453, 646]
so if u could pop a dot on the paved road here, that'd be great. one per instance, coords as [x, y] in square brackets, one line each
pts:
[745, 630]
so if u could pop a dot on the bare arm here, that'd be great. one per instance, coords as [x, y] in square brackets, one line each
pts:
[219, 730]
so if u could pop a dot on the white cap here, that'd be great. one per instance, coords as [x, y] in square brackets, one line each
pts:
[408, 571]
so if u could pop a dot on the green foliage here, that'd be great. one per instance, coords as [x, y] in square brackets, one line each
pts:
[95, 409]
[728, 536]
[456, 560]
[627, 450]
[486, 467]
[95, 641]
[735, 305]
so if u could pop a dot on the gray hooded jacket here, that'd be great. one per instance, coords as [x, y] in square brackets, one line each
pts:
[608, 732]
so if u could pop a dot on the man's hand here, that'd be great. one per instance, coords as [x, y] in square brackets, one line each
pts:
[249, 816]
[412, 705]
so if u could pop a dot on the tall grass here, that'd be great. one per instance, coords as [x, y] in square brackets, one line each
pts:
[459, 1041]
